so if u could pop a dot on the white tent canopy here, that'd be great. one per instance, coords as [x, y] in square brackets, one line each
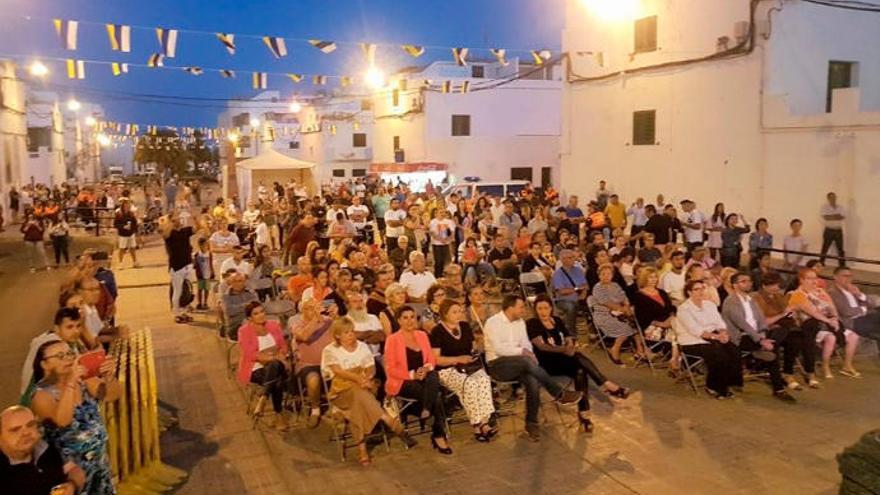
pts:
[268, 167]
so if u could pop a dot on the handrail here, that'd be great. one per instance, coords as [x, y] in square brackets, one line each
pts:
[873, 285]
[819, 255]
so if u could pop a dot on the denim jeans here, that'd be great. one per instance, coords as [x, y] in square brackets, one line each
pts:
[530, 375]
[568, 312]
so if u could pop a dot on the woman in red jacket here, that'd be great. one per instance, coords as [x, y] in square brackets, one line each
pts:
[410, 368]
[263, 357]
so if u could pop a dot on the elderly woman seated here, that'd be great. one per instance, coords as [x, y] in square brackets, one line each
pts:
[310, 330]
[349, 365]
[613, 315]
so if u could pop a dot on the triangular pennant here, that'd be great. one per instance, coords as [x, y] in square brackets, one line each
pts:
[120, 37]
[67, 31]
[119, 68]
[276, 45]
[297, 78]
[196, 71]
[228, 41]
[167, 41]
[460, 56]
[260, 80]
[540, 56]
[156, 60]
[76, 69]
[324, 46]
[465, 87]
[345, 81]
[414, 51]
[369, 50]
[319, 80]
[501, 55]
[228, 74]
[447, 87]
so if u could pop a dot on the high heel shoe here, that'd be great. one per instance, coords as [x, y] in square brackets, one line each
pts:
[586, 424]
[614, 360]
[620, 393]
[443, 450]
[407, 440]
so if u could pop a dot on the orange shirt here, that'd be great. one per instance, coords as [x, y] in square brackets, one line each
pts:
[297, 284]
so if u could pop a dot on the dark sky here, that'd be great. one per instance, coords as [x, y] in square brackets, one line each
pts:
[511, 24]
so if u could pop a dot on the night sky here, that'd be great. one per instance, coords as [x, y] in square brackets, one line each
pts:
[510, 24]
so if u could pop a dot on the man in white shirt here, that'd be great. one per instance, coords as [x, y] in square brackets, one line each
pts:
[510, 358]
[693, 222]
[417, 279]
[857, 311]
[497, 210]
[237, 262]
[358, 213]
[394, 218]
[249, 217]
[366, 325]
[637, 211]
[673, 281]
[833, 216]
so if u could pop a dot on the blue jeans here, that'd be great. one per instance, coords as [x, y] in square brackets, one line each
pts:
[568, 312]
[530, 375]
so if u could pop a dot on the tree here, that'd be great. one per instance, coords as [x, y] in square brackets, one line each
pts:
[198, 150]
[165, 150]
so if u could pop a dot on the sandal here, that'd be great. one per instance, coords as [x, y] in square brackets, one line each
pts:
[366, 461]
[620, 393]
[850, 373]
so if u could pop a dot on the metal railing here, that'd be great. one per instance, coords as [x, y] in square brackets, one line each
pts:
[847, 259]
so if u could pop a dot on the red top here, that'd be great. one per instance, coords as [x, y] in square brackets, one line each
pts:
[396, 369]
[249, 347]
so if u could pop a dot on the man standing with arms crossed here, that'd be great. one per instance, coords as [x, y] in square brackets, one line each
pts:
[833, 216]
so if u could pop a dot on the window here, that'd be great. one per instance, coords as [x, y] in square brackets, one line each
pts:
[358, 172]
[366, 105]
[396, 143]
[338, 172]
[461, 125]
[840, 75]
[521, 173]
[395, 97]
[478, 71]
[241, 120]
[646, 35]
[644, 127]
[546, 177]
[294, 145]
[401, 84]
[399, 156]
[359, 140]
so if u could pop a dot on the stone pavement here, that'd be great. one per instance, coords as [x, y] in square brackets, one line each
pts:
[664, 439]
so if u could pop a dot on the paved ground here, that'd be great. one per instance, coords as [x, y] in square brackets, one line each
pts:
[662, 440]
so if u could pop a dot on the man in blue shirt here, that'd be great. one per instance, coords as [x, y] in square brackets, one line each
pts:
[569, 288]
[575, 216]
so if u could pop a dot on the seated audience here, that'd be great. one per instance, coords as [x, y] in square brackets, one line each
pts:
[263, 357]
[655, 314]
[320, 287]
[558, 354]
[510, 357]
[857, 312]
[233, 305]
[310, 336]
[302, 280]
[612, 314]
[396, 295]
[672, 281]
[773, 301]
[417, 279]
[569, 284]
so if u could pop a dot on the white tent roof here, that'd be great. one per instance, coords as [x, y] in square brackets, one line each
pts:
[269, 159]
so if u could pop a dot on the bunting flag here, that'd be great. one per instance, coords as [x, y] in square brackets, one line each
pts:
[227, 74]
[196, 71]
[369, 50]
[76, 69]
[460, 56]
[167, 41]
[276, 45]
[319, 80]
[345, 81]
[120, 37]
[152, 130]
[414, 51]
[119, 68]
[501, 55]
[260, 80]
[324, 46]
[465, 87]
[447, 87]
[228, 41]
[540, 56]
[66, 32]
[156, 60]
[297, 78]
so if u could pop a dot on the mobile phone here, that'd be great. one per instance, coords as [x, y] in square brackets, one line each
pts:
[92, 362]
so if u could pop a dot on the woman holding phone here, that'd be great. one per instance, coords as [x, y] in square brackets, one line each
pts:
[67, 400]
[410, 368]
[263, 357]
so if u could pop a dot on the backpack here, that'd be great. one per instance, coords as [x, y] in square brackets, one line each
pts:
[186, 294]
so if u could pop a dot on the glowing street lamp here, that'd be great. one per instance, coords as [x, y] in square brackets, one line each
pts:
[255, 122]
[73, 105]
[103, 140]
[38, 69]
[90, 121]
[295, 107]
[374, 78]
[613, 10]
[232, 137]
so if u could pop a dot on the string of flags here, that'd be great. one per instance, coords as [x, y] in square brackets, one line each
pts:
[120, 40]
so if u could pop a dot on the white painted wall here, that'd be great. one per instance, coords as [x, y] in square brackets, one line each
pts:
[750, 132]
[46, 165]
[13, 133]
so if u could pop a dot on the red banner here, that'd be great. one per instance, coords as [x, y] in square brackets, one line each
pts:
[404, 168]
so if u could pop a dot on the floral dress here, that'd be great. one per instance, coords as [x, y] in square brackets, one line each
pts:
[84, 442]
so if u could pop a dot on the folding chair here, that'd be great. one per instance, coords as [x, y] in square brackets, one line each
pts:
[567, 383]
[694, 366]
[654, 347]
[532, 285]
[341, 430]
[600, 335]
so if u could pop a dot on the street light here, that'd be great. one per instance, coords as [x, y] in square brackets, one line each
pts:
[38, 69]
[73, 105]
[232, 137]
[90, 121]
[374, 78]
[103, 139]
[255, 122]
[613, 10]
[295, 107]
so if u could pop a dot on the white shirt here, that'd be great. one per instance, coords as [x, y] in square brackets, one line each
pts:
[358, 214]
[827, 209]
[337, 355]
[851, 300]
[262, 234]
[442, 231]
[249, 217]
[243, 267]
[417, 284]
[497, 211]
[370, 323]
[638, 214]
[747, 311]
[93, 322]
[331, 214]
[693, 321]
[673, 283]
[791, 243]
[504, 337]
[263, 342]
[396, 215]
[693, 235]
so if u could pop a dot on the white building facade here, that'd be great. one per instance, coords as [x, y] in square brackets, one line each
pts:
[82, 154]
[499, 134]
[45, 123]
[13, 132]
[336, 134]
[767, 129]
[265, 120]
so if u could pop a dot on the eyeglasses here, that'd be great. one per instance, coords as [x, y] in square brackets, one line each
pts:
[62, 355]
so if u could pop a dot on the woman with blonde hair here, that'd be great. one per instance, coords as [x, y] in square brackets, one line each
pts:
[395, 296]
[349, 366]
[726, 288]
[655, 313]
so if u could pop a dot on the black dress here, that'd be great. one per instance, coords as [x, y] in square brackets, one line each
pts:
[556, 364]
[451, 346]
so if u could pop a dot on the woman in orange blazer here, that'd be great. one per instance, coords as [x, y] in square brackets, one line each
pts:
[410, 369]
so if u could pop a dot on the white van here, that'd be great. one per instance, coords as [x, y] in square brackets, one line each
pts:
[474, 189]
[115, 173]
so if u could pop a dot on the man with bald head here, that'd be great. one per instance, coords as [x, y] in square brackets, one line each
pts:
[30, 465]
[233, 304]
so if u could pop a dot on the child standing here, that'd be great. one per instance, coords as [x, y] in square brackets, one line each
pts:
[203, 261]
